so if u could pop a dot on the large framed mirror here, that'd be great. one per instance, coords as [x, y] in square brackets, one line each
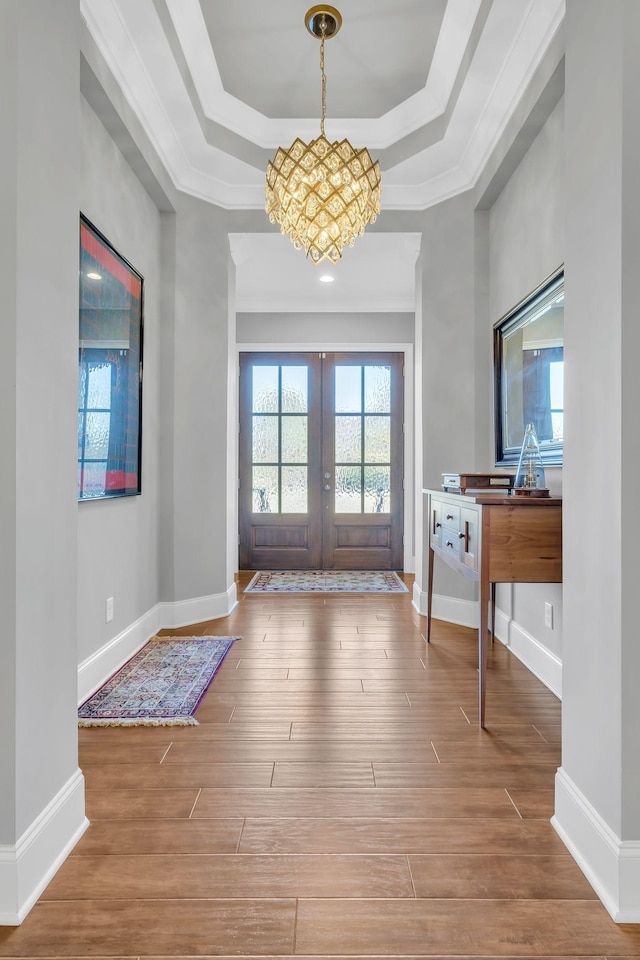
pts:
[529, 373]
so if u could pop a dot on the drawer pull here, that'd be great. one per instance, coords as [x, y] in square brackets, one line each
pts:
[461, 536]
[449, 516]
[449, 543]
[438, 525]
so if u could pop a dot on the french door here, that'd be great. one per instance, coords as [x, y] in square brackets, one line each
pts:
[321, 461]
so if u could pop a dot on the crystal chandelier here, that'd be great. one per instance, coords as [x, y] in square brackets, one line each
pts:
[322, 194]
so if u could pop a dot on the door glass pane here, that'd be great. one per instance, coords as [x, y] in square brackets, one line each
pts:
[377, 389]
[97, 439]
[348, 440]
[348, 389]
[348, 490]
[94, 478]
[294, 439]
[264, 490]
[265, 440]
[265, 390]
[99, 392]
[81, 432]
[377, 439]
[295, 390]
[377, 481]
[83, 374]
[294, 490]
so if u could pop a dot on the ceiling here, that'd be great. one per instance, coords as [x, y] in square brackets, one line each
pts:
[427, 86]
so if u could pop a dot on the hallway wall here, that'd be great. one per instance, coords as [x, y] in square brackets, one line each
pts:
[118, 538]
[526, 245]
[334, 328]
[41, 787]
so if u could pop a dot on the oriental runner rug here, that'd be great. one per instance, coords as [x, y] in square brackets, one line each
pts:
[162, 685]
[326, 581]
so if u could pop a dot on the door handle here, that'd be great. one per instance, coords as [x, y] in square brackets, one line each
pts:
[327, 486]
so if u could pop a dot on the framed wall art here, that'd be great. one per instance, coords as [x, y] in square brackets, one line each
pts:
[110, 370]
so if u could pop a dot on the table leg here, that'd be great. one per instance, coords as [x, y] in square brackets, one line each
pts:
[493, 612]
[484, 614]
[429, 591]
[482, 647]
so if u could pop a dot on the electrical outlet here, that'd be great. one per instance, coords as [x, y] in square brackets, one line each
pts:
[108, 609]
[548, 615]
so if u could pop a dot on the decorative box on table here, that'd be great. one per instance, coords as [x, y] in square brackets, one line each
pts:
[478, 482]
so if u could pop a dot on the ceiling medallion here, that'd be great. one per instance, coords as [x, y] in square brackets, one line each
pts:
[322, 194]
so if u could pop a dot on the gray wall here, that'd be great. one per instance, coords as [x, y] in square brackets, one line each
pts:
[118, 538]
[326, 328]
[160, 546]
[526, 243]
[199, 350]
[38, 407]
[602, 721]
[448, 369]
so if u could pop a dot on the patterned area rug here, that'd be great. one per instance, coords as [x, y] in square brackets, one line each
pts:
[326, 581]
[162, 685]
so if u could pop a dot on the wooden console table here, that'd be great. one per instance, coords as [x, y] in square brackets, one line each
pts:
[493, 539]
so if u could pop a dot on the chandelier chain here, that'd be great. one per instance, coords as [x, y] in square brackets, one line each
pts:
[323, 27]
[322, 194]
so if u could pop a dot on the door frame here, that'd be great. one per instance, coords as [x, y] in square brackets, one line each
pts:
[412, 543]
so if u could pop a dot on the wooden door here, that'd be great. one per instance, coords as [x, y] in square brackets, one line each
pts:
[280, 461]
[362, 462]
[321, 461]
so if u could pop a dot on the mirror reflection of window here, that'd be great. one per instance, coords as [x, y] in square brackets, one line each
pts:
[529, 348]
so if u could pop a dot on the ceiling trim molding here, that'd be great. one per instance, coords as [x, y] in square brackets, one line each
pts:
[379, 133]
[136, 50]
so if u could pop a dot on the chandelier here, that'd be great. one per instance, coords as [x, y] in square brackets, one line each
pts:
[322, 194]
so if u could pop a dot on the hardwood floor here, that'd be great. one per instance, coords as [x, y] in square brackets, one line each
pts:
[337, 800]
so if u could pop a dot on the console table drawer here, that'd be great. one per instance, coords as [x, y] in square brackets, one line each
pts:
[451, 543]
[470, 530]
[450, 515]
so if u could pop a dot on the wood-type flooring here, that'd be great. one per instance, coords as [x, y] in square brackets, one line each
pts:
[337, 800]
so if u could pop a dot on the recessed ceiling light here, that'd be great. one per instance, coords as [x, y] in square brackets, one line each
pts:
[94, 276]
[326, 278]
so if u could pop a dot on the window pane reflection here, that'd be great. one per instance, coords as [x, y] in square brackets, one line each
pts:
[96, 444]
[99, 386]
[93, 478]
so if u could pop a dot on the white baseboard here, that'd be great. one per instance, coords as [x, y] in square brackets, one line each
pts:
[540, 661]
[419, 599]
[611, 865]
[182, 612]
[451, 609]
[97, 668]
[27, 866]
